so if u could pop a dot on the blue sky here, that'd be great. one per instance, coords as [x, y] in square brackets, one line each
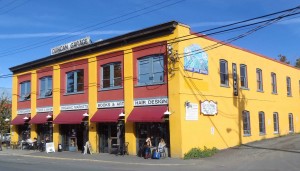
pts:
[29, 29]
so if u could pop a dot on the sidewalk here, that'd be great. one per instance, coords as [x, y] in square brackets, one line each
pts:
[101, 158]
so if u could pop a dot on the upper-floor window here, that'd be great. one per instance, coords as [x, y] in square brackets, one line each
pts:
[243, 76]
[259, 80]
[75, 81]
[111, 75]
[291, 123]
[223, 72]
[262, 127]
[274, 83]
[46, 86]
[25, 90]
[151, 70]
[288, 86]
[276, 122]
[246, 123]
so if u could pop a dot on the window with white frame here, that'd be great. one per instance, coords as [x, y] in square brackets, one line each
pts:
[111, 75]
[224, 72]
[243, 76]
[288, 86]
[75, 81]
[274, 83]
[25, 90]
[46, 86]
[262, 126]
[151, 70]
[259, 80]
[246, 123]
[276, 122]
[291, 123]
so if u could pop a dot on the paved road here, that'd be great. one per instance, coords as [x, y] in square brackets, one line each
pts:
[282, 154]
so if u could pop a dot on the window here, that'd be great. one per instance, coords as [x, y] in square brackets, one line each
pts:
[25, 90]
[46, 86]
[151, 70]
[246, 123]
[288, 86]
[111, 75]
[291, 123]
[243, 76]
[276, 122]
[75, 81]
[274, 83]
[223, 72]
[259, 80]
[262, 128]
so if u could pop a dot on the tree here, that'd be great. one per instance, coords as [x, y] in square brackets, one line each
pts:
[5, 111]
[283, 59]
[297, 63]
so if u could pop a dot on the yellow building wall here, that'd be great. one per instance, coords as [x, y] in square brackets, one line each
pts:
[13, 130]
[225, 129]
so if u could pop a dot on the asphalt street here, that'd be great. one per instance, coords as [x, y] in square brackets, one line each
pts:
[278, 154]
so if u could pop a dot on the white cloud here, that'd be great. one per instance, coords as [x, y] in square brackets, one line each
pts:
[53, 34]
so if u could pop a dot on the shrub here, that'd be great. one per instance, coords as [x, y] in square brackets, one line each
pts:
[196, 153]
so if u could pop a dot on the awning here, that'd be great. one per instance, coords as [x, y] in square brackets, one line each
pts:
[147, 114]
[19, 120]
[107, 115]
[69, 117]
[40, 118]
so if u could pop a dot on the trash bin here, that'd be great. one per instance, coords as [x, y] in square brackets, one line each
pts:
[59, 148]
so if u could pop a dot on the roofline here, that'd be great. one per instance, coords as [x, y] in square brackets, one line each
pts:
[129, 38]
[242, 49]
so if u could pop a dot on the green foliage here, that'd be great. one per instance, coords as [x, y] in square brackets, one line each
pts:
[196, 153]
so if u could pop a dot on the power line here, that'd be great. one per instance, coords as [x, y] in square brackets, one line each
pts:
[13, 8]
[46, 42]
[212, 46]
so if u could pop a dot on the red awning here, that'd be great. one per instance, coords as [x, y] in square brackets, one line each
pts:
[107, 115]
[39, 118]
[19, 120]
[69, 117]
[147, 114]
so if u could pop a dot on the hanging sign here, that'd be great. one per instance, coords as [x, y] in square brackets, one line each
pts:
[209, 107]
[234, 76]
[72, 45]
[110, 104]
[74, 107]
[191, 112]
[44, 109]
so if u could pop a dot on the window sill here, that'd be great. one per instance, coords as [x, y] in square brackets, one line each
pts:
[276, 133]
[68, 94]
[24, 100]
[260, 91]
[274, 93]
[247, 135]
[289, 96]
[144, 85]
[112, 88]
[45, 97]
[262, 134]
[244, 88]
[224, 85]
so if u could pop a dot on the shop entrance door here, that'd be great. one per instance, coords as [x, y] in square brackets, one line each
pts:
[108, 138]
[72, 137]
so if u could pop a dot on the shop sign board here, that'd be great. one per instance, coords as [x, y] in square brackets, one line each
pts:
[72, 45]
[23, 111]
[44, 109]
[234, 76]
[74, 107]
[151, 101]
[209, 107]
[191, 112]
[50, 147]
[110, 104]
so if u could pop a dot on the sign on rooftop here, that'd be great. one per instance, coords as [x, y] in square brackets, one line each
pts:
[72, 45]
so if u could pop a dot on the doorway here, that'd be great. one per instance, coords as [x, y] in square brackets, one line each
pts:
[109, 139]
[72, 137]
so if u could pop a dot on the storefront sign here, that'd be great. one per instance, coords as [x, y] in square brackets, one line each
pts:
[74, 107]
[23, 111]
[50, 147]
[209, 108]
[191, 112]
[150, 102]
[72, 45]
[110, 104]
[44, 109]
[234, 76]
